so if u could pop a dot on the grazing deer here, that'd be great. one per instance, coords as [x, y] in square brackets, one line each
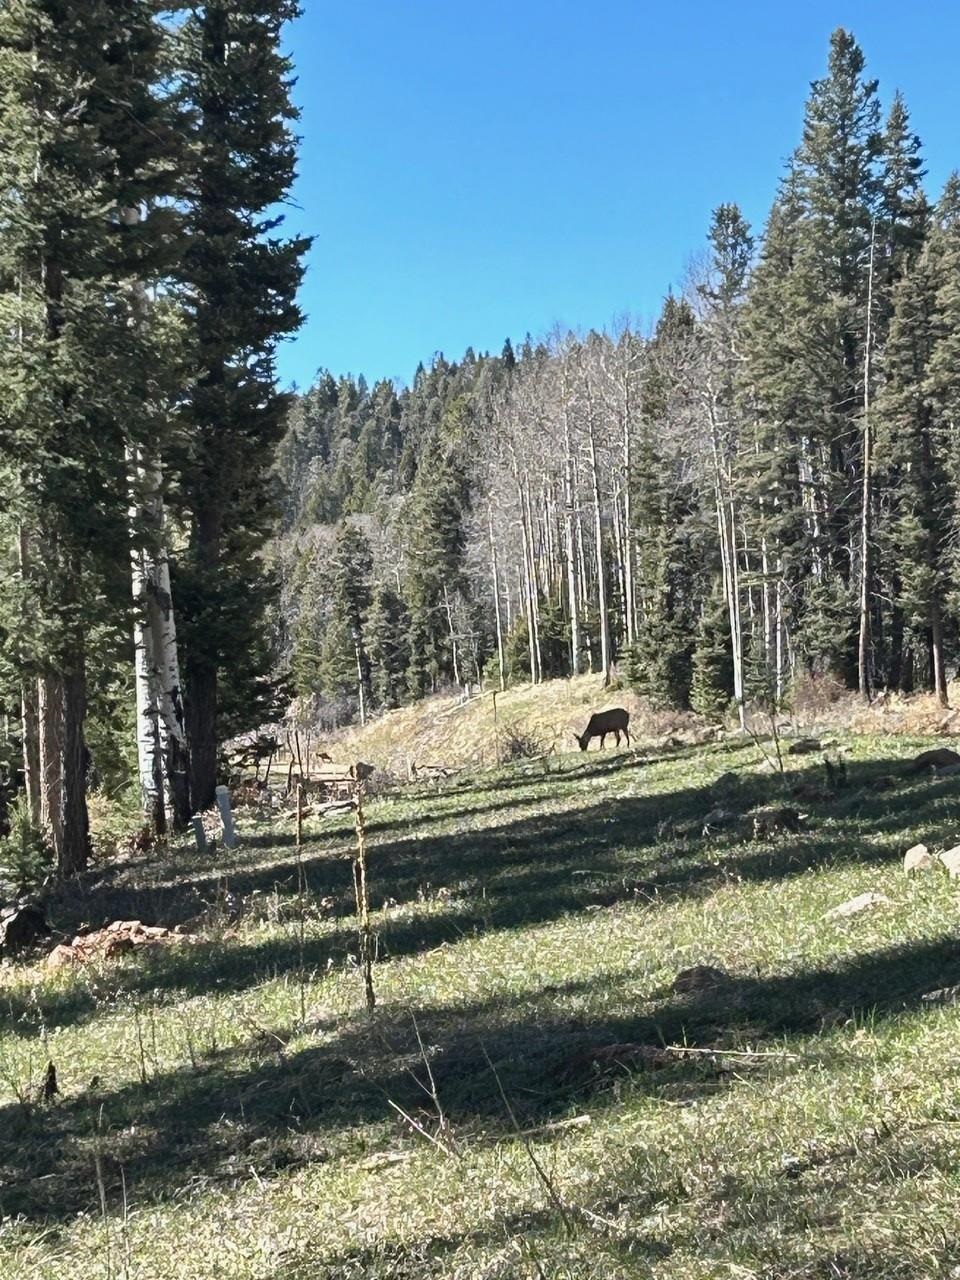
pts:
[601, 723]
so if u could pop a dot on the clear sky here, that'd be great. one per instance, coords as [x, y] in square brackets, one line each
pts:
[477, 170]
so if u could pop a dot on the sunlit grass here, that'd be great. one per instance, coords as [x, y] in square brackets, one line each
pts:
[525, 918]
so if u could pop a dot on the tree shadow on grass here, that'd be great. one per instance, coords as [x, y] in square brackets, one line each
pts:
[251, 1107]
[507, 876]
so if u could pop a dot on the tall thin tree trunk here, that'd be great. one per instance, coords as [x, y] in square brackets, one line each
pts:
[573, 598]
[936, 646]
[628, 532]
[496, 600]
[863, 648]
[50, 712]
[453, 636]
[29, 706]
[605, 658]
[534, 590]
[360, 683]
[74, 848]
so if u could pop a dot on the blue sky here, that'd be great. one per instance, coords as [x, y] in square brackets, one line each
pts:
[473, 171]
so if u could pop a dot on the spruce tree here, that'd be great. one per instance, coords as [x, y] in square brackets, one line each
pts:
[711, 686]
[386, 630]
[237, 284]
[82, 143]
[914, 533]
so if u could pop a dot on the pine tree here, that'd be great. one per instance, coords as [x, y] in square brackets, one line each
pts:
[237, 282]
[81, 144]
[387, 625]
[913, 478]
[344, 663]
[711, 686]
[436, 544]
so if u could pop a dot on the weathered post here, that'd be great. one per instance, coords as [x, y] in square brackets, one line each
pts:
[226, 817]
[363, 898]
[199, 835]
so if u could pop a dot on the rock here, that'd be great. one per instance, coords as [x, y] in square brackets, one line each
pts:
[117, 945]
[21, 927]
[918, 858]
[951, 860]
[700, 977]
[804, 747]
[853, 906]
[61, 957]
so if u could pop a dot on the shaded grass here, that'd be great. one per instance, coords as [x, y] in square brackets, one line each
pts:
[525, 920]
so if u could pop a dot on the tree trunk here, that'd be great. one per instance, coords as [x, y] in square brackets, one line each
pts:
[74, 849]
[863, 647]
[30, 729]
[202, 735]
[29, 707]
[50, 712]
[573, 601]
[360, 683]
[936, 638]
[628, 532]
[605, 660]
[496, 600]
[149, 757]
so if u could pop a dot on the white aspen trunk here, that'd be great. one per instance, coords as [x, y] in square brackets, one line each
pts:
[573, 601]
[161, 730]
[453, 636]
[863, 647]
[605, 663]
[360, 694]
[534, 592]
[628, 534]
[621, 571]
[149, 758]
[494, 569]
[161, 736]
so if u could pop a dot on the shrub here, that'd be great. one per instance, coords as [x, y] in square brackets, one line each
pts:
[518, 743]
[25, 857]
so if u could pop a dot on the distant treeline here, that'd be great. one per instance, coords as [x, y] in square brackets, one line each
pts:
[764, 485]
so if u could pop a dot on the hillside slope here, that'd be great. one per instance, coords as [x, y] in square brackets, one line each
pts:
[445, 730]
[544, 1087]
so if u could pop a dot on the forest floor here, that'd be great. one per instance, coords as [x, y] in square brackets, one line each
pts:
[229, 1108]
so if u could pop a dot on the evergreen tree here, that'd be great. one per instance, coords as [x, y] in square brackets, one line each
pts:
[387, 626]
[84, 140]
[711, 686]
[436, 544]
[238, 282]
[344, 664]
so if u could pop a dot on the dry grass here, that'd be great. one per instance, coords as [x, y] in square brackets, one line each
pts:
[444, 730]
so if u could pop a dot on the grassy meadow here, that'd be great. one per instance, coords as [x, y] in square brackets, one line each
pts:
[532, 1096]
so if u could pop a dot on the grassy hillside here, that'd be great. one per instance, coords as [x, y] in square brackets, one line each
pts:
[445, 730]
[533, 1095]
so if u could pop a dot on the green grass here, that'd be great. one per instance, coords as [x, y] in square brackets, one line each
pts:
[525, 920]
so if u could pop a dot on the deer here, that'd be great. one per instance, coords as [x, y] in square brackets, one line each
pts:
[601, 723]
